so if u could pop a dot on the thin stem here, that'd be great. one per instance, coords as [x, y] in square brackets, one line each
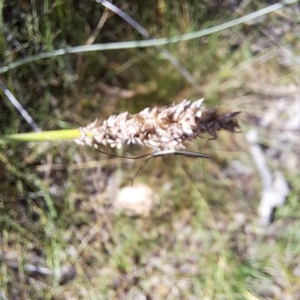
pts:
[19, 107]
[41, 136]
[147, 43]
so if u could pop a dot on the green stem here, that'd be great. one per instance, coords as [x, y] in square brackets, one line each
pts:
[147, 43]
[40, 136]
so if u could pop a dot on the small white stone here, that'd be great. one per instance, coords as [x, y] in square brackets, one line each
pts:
[136, 201]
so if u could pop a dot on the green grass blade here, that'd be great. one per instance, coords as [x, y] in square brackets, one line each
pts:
[147, 43]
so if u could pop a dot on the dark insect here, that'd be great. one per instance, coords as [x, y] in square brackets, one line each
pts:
[212, 122]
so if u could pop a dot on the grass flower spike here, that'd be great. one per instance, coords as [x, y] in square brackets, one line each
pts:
[168, 127]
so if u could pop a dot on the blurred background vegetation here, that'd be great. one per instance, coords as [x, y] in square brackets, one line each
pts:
[62, 237]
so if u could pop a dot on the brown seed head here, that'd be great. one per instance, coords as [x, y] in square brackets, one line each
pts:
[167, 127]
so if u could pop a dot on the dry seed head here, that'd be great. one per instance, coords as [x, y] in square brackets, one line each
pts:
[167, 127]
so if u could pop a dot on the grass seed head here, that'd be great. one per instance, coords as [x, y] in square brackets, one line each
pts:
[167, 127]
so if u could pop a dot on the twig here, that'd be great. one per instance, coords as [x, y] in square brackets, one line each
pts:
[275, 187]
[27, 267]
[92, 38]
[99, 26]
[125, 17]
[19, 107]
